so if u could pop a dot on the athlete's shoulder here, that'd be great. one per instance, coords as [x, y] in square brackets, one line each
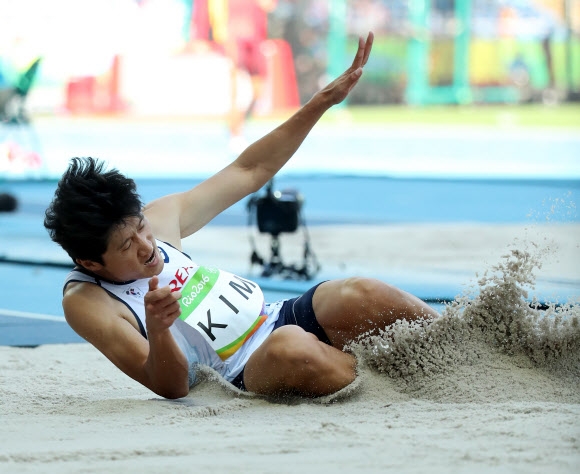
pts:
[87, 304]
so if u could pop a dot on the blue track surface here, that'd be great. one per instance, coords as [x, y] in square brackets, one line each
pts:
[347, 175]
[31, 313]
[361, 200]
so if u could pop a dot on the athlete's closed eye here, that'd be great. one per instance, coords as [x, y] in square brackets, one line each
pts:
[127, 243]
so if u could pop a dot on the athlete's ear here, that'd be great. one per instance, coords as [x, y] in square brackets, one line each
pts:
[89, 264]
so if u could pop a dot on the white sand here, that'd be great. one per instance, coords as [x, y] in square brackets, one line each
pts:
[486, 388]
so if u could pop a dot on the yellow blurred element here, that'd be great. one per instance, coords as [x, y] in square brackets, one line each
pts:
[218, 15]
[485, 63]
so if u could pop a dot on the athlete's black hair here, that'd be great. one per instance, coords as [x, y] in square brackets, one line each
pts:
[88, 204]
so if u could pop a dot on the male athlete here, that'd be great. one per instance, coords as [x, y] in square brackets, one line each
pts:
[158, 316]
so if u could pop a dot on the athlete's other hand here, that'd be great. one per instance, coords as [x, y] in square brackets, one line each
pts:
[161, 306]
[338, 89]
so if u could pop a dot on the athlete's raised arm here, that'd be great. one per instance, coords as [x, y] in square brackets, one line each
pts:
[179, 215]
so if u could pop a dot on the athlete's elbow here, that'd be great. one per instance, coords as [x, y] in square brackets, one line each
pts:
[173, 388]
[173, 393]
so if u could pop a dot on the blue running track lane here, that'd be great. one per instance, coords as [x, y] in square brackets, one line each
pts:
[30, 307]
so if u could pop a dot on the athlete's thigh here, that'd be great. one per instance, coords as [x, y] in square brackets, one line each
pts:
[352, 307]
[339, 310]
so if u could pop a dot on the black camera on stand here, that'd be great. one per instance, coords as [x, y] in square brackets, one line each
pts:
[278, 212]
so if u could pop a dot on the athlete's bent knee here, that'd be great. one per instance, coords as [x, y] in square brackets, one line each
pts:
[358, 289]
[291, 344]
[299, 355]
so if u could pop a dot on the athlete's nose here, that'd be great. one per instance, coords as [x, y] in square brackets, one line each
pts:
[145, 246]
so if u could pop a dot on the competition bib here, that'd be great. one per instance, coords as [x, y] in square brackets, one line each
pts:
[226, 309]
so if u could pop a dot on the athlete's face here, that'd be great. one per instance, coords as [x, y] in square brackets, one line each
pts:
[131, 253]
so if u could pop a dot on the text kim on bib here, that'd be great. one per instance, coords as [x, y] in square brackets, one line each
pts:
[226, 309]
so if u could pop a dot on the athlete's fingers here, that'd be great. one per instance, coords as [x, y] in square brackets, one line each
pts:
[155, 293]
[357, 61]
[162, 298]
[173, 315]
[165, 311]
[169, 308]
[153, 282]
[163, 305]
[368, 47]
[363, 52]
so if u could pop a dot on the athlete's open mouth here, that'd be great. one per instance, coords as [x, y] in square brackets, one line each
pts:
[151, 258]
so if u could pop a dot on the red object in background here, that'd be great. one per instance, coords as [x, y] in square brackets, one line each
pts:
[247, 20]
[20, 157]
[100, 95]
[80, 94]
[199, 26]
[247, 23]
[280, 75]
[91, 94]
[115, 102]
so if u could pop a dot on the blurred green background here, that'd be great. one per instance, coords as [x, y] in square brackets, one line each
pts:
[152, 57]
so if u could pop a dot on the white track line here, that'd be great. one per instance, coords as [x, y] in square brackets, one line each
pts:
[21, 314]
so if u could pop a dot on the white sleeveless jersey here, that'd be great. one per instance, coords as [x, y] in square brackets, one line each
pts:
[223, 320]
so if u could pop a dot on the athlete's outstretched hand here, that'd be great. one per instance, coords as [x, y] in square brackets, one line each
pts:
[161, 306]
[338, 89]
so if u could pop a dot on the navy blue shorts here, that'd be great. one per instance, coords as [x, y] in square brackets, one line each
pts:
[299, 312]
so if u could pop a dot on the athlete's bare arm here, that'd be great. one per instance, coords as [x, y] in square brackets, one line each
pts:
[179, 215]
[156, 362]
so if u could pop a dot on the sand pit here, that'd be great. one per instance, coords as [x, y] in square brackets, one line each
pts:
[493, 385]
